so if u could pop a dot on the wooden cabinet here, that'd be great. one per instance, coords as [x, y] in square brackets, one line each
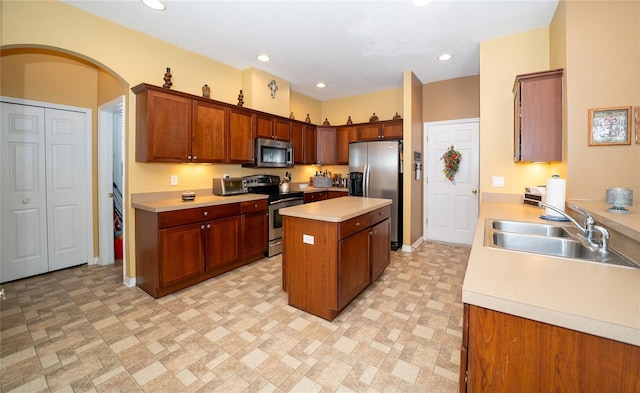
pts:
[179, 248]
[303, 137]
[255, 228]
[209, 137]
[326, 145]
[538, 117]
[336, 194]
[505, 353]
[315, 196]
[389, 129]
[324, 273]
[271, 127]
[241, 135]
[163, 125]
[344, 136]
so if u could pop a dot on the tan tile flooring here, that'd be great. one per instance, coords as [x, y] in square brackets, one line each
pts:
[82, 330]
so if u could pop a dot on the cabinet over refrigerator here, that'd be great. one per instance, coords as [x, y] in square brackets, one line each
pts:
[375, 171]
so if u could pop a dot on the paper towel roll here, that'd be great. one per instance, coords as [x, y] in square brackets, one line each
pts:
[555, 195]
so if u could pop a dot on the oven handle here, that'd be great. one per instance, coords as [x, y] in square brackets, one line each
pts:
[286, 200]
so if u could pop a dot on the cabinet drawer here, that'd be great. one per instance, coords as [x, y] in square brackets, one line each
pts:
[380, 214]
[187, 216]
[255, 206]
[354, 225]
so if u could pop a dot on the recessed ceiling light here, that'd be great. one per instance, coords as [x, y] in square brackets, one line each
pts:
[264, 57]
[444, 57]
[154, 4]
[421, 3]
[321, 85]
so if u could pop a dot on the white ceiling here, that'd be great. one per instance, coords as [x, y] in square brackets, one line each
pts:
[355, 47]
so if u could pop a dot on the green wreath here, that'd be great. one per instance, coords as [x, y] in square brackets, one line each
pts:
[451, 159]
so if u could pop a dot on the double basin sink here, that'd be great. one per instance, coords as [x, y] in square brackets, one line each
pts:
[546, 239]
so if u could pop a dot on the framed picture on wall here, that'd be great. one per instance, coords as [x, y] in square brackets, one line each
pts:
[610, 126]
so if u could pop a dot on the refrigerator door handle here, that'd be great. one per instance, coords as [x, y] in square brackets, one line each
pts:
[367, 179]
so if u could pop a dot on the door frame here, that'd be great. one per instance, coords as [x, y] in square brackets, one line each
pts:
[88, 150]
[105, 179]
[425, 190]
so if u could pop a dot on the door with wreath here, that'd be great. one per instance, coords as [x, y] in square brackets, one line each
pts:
[451, 187]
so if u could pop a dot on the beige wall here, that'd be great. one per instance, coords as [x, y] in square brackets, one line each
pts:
[302, 105]
[384, 104]
[603, 70]
[257, 94]
[413, 215]
[451, 99]
[500, 61]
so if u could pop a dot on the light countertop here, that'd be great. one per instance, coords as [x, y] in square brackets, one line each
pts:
[169, 201]
[336, 209]
[594, 298]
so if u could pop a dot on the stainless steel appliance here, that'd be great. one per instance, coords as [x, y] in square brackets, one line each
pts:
[375, 171]
[229, 186]
[269, 153]
[270, 185]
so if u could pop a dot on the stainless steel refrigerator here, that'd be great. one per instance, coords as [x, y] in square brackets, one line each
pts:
[375, 171]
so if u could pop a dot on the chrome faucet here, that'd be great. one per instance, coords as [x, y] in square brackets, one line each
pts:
[587, 235]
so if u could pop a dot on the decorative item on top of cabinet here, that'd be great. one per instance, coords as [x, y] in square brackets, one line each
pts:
[292, 116]
[538, 117]
[326, 122]
[397, 116]
[349, 121]
[167, 79]
[206, 91]
[307, 119]
[373, 117]
[240, 99]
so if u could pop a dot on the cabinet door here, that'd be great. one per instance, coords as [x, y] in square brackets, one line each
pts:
[310, 144]
[326, 145]
[353, 267]
[380, 248]
[538, 117]
[223, 242]
[240, 136]
[369, 132]
[297, 137]
[255, 232]
[209, 136]
[344, 136]
[166, 136]
[282, 130]
[264, 126]
[181, 253]
[392, 130]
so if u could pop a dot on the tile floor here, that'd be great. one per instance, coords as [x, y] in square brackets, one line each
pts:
[82, 330]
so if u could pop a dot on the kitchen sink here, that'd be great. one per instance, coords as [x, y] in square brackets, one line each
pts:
[530, 228]
[546, 239]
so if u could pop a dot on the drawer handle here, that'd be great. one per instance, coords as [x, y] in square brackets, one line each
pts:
[208, 226]
[205, 214]
[256, 205]
[202, 226]
[357, 224]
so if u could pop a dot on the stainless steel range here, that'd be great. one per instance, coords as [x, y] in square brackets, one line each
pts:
[270, 185]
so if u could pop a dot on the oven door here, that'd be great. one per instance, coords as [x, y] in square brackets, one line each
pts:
[275, 223]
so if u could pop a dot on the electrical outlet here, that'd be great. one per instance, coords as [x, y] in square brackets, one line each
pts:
[174, 180]
[225, 176]
[497, 181]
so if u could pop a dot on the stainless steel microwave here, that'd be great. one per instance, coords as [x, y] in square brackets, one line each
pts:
[271, 153]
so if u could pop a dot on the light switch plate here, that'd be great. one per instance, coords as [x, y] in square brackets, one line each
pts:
[497, 181]
[308, 239]
[174, 180]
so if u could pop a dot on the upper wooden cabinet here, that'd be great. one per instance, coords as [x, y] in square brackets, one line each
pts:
[389, 129]
[163, 125]
[241, 135]
[344, 136]
[538, 117]
[209, 136]
[268, 126]
[303, 137]
[326, 145]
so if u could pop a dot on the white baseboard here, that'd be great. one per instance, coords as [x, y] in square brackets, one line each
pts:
[129, 281]
[413, 246]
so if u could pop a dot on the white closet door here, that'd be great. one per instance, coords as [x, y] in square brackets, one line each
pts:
[66, 163]
[23, 225]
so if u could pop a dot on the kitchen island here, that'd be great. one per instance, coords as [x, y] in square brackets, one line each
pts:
[332, 250]
[542, 323]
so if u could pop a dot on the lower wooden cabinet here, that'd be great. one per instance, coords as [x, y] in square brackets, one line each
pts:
[380, 252]
[180, 248]
[505, 353]
[315, 196]
[336, 194]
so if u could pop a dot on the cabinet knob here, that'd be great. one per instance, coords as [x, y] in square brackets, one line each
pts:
[357, 224]
[195, 158]
[208, 226]
[255, 205]
[202, 226]
[189, 158]
[205, 214]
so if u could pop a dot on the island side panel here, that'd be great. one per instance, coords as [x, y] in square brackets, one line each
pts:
[311, 269]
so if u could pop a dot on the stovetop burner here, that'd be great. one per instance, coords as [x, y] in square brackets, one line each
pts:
[269, 185]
